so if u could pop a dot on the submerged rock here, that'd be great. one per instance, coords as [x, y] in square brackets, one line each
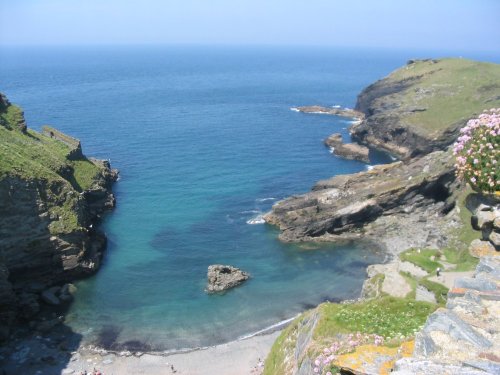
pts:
[222, 277]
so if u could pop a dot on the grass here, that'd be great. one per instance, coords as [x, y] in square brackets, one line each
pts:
[439, 290]
[422, 259]
[35, 157]
[387, 316]
[283, 346]
[451, 91]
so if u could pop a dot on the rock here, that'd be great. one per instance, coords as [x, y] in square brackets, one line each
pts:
[410, 366]
[479, 248]
[494, 238]
[395, 114]
[346, 203]
[67, 292]
[49, 296]
[423, 294]
[47, 325]
[337, 111]
[222, 277]
[476, 283]
[28, 304]
[485, 218]
[351, 151]
[43, 215]
[448, 322]
[67, 371]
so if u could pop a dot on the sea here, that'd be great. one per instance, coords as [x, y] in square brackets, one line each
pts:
[206, 142]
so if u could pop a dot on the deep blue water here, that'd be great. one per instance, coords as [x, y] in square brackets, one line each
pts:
[205, 140]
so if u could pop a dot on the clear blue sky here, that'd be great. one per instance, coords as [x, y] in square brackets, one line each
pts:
[469, 25]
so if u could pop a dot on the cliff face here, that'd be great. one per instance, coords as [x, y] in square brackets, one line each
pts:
[420, 107]
[350, 206]
[50, 201]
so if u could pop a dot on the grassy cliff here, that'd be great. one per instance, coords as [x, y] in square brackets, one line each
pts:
[420, 107]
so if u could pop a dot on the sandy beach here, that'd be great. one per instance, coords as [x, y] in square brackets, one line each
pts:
[244, 356]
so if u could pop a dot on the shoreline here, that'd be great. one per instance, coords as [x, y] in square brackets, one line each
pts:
[241, 356]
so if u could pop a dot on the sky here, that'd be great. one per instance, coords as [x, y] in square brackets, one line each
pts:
[468, 25]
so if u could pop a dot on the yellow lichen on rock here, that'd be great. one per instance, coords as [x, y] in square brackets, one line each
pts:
[374, 359]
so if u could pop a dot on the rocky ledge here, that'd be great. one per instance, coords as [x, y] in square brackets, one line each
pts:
[368, 204]
[221, 278]
[464, 337]
[350, 151]
[51, 200]
[337, 111]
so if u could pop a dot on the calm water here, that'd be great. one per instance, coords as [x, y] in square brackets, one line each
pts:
[205, 141]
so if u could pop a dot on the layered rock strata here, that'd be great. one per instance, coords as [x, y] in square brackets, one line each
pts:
[352, 206]
[51, 199]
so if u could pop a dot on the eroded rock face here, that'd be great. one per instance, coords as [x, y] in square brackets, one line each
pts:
[341, 207]
[221, 278]
[350, 151]
[47, 222]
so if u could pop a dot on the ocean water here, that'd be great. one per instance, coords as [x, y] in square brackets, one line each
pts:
[205, 142]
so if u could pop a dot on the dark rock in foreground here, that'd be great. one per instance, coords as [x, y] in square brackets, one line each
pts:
[222, 277]
[350, 151]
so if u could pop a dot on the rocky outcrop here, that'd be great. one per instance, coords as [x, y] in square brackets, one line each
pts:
[221, 278]
[406, 112]
[337, 111]
[464, 337]
[345, 206]
[50, 205]
[350, 151]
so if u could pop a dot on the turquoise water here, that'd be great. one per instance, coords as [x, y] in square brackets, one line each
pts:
[205, 141]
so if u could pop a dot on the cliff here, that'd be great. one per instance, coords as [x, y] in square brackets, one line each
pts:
[416, 210]
[51, 197]
[420, 107]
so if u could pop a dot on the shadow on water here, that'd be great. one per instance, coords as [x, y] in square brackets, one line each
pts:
[107, 338]
[31, 352]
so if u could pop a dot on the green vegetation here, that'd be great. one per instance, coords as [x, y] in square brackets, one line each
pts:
[33, 155]
[387, 316]
[450, 91]
[423, 258]
[276, 359]
[41, 159]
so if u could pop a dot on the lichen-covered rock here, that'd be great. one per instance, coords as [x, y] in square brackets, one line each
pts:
[221, 278]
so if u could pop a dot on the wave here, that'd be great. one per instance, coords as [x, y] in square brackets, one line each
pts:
[369, 167]
[259, 219]
[265, 199]
[332, 150]
[336, 106]
[272, 328]
[295, 109]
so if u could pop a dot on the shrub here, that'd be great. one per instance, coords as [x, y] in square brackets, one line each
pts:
[477, 152]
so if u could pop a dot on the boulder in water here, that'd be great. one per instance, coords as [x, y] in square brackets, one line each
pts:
[222, 277]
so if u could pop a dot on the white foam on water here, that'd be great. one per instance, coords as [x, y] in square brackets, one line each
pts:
[269, 329]
[336, 106]
[332, 150]
[295, 109]
[369, 167]
[265, 199]
[259, 219]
